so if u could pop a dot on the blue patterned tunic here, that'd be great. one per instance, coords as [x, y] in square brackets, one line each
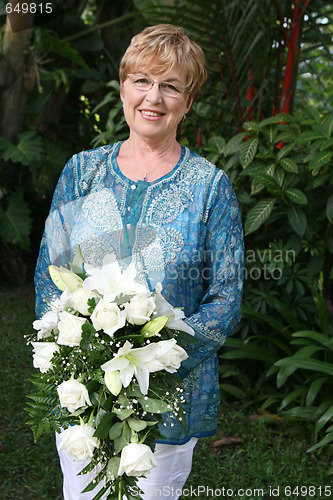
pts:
[183, 230]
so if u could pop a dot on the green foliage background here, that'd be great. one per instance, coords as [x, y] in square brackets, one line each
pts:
[280, 356]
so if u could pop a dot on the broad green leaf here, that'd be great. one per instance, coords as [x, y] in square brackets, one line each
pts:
[250, 351]
[326, 144]
[248, 151]
[289, 165]
[329, 209]
[304, 412]
[234, 144]
[218, 143]
[15, 221]
[123, 439]
[232, 389]
[295, 394]
[28, 150]
[283, 374]
[288, 135]
[279, 177]
[237, 349]
[258, 214]
[136, 424]
[296, 196]
[268, 181]
[307, 351]
[315, 337]
[123, 413]
[248, 312]
[104, 426]
[269, 339]
[297, 219]
[322, 129]
[151, 405]
[313, 112]
[113, 466]
[256, 187]
[309, 136]
[251, 125]
[327, 439]
[271, 133]
[319, 160]
[116, 430]
[328, 125]
[271, 170]
[64, 49]
[285, 312]
[314, 389]
[326, 417]
[272, 120]
[285, 150]
[307, 364]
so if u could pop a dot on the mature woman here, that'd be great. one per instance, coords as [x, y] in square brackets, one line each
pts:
[156, 203]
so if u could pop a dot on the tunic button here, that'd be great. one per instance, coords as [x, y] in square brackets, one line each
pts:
[133, 186]
[128, 226]
[129, 209]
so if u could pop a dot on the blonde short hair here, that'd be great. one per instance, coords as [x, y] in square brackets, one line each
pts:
[160, 48]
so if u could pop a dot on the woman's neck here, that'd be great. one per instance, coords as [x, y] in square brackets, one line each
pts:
[143, 160]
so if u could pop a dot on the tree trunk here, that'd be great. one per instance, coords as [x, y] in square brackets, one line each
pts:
[13, 93]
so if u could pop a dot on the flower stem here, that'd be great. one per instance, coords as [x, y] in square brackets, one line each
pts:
[119, 490]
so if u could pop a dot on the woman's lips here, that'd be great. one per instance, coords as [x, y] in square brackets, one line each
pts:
[151, 114]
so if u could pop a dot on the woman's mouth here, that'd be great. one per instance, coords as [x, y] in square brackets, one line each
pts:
[151, 114]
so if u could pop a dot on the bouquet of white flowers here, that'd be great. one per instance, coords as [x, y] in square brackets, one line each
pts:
[103, 350]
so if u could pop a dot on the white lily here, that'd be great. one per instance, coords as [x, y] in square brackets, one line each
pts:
[110, 281]
[175, 315]
[113, 382]
[137, 362]
[64, 278]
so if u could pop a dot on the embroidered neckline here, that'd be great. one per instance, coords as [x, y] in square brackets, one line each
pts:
[167, 177]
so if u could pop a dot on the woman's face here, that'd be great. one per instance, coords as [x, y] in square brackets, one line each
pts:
[151, 114]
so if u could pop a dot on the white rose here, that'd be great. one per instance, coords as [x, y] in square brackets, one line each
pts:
[43, 353]
[73, 395]
[46, 324]
[70, 329]
[170, 355]
[60, 304]
[108, 316]
[139, 309]
[78, 441]
[80, 299]
[136, 460]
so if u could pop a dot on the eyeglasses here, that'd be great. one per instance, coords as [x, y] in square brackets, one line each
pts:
[168, 89]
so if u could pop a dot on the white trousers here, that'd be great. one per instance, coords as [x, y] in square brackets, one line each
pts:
[164, 481]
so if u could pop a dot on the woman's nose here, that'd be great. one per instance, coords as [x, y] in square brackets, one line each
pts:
[154, 94]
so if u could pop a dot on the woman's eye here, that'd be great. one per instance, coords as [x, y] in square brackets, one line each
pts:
[142, 81]
[170, 87]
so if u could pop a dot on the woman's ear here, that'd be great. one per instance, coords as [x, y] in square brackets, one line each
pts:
[189, 106]
[122, 90]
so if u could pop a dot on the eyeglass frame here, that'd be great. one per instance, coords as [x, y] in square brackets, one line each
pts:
[152, 81]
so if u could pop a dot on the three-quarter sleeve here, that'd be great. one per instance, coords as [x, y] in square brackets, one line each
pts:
[220, 308]
[55, 244]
